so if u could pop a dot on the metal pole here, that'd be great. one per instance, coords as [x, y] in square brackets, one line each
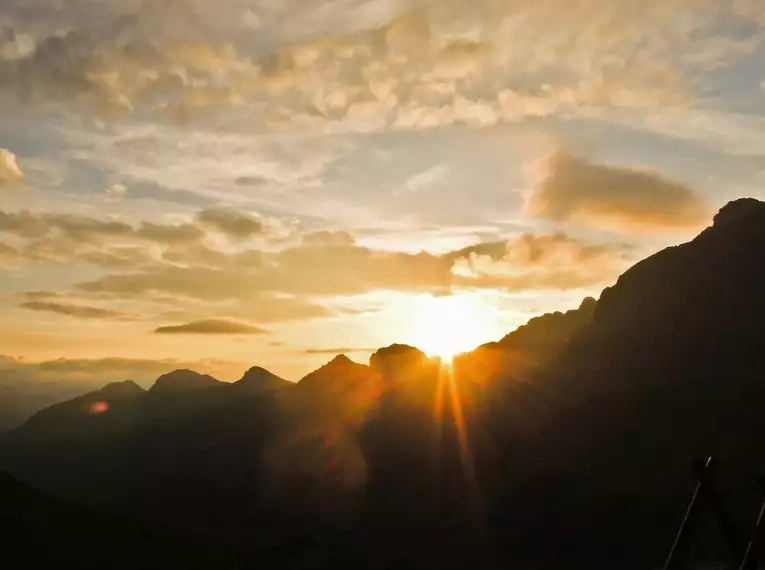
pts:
[679, 550]
[728, 527]
[753, 549]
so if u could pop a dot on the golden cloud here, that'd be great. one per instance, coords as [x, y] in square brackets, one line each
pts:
[567, 187]
[539, 261]
[424, 67]
[10, 173]
[77, 311]
[212, 326]
[8, 254]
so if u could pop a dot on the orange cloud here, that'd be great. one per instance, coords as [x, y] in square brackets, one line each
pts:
[10, 173]
[570, 188]
[78, 311]
[539, 261]
[212, 326]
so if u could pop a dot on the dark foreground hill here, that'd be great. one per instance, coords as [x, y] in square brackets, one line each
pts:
[566, 443]
[43, 533]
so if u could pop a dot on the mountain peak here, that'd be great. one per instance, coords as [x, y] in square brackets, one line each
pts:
[126, 388]
[340, 368]
[398, 359]
[259, 379]
[747, 211]
[340, 359]
[183, 381]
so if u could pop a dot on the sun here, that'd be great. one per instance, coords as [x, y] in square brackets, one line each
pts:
[446, 326]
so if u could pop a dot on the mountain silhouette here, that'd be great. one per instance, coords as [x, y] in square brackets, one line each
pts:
[41, 532]
[550, 332]
[258, 379]
[183, 381]
[568, 439]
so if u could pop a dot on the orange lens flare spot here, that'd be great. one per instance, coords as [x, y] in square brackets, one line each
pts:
[97, 408]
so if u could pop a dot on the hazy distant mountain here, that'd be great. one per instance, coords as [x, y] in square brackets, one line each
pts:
[582, 457]
[21, 396]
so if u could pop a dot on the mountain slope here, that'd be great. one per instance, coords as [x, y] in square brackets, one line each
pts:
[43, 533]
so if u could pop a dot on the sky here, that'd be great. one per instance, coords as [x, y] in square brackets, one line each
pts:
[251, 182]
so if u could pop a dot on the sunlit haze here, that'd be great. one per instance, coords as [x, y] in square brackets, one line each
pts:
[445, 326]
[216, 185]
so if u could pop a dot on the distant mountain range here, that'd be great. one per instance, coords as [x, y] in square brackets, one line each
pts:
[566, 442]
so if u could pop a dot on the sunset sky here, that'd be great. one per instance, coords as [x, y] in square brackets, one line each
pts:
[240, 182]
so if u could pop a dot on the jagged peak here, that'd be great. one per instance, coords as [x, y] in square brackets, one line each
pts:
[259, 377]
[340, 359]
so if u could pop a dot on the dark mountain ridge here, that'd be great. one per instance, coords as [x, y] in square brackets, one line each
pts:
[582, 456]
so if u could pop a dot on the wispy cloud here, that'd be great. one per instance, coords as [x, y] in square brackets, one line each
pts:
[77, 311]
[339, 350]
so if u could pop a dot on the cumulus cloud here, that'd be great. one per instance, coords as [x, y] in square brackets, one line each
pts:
[539, 261]
[212, 326]
[417, 63]
[77, 311]
[568, 187]
[10, 172]
[105, 242]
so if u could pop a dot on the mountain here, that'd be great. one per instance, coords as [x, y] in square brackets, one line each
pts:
[183, 381]
[550, 332]
[669, 368]
[257, 380]
[44, 533]
[580, 457]
[22, 394]
[190, 443]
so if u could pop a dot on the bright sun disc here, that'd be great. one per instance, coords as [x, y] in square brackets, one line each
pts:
[445, 326]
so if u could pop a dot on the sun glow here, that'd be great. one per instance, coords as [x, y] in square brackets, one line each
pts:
[445, 326]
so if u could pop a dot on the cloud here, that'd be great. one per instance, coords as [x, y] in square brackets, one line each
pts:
[336, 238]
[116, 190]
[8, 254]
[233, 223]
[10, 173]
[568, 187]
[540, 262]
[427, 178]
[369, 65]
[212, 326]
[77, 311]
[341, 350]
[111, 243]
